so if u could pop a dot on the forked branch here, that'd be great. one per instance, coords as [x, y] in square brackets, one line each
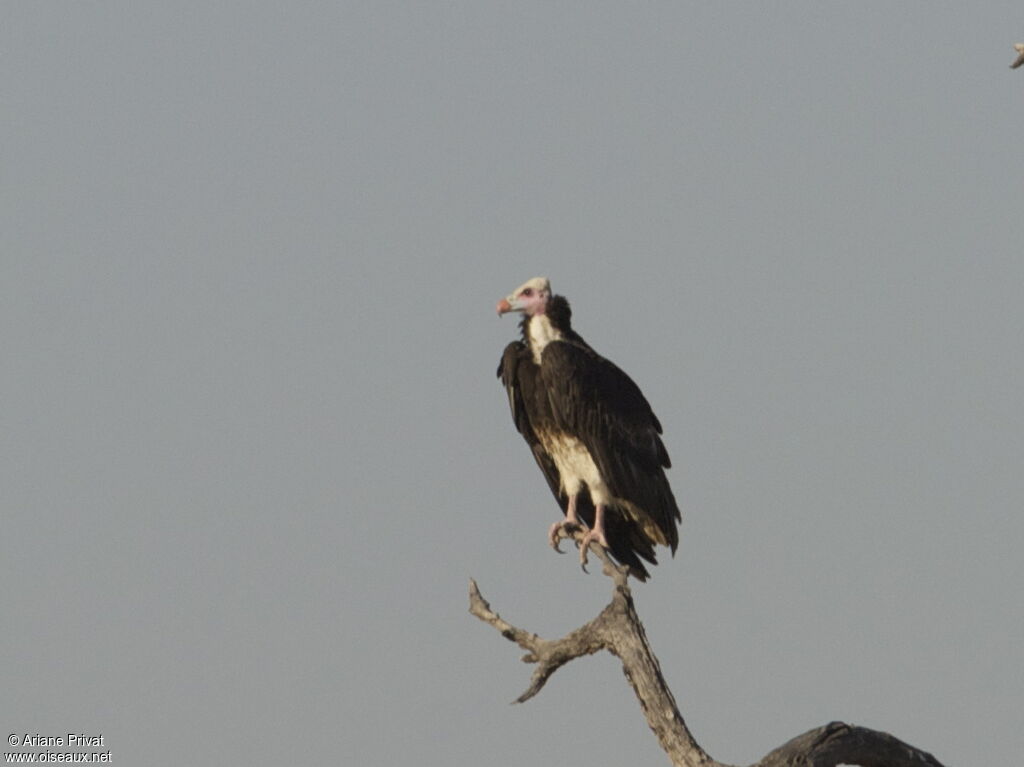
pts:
[618, 630]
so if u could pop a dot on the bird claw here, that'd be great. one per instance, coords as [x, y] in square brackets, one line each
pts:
[560, 530]
[592, 536]
[567, 529]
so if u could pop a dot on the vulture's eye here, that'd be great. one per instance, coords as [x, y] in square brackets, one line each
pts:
[528, 292]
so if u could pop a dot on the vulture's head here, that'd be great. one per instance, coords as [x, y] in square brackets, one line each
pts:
[530, 298]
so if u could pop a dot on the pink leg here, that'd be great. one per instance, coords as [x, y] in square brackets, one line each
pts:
[595, 535]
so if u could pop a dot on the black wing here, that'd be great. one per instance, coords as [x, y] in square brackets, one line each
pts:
[520, 376]
[596, 401]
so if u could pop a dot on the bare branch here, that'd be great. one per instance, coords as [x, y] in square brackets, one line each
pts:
[547, 654]
[616, 629]
[479, 607]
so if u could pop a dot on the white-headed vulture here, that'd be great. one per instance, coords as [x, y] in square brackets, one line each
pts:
[591, 431]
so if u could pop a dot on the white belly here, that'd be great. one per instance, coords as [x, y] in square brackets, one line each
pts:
[576, 467]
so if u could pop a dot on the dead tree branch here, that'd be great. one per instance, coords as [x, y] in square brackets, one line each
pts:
[618, 630]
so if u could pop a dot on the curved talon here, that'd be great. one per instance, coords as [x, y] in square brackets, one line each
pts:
[592, 536]
[560, 530]
[554, 538]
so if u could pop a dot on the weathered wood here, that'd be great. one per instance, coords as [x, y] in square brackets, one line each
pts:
[618, 630]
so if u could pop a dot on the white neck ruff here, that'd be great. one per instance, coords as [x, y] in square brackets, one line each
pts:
[542, 332]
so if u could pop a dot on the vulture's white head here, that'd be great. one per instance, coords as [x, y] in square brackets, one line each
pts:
[530, 298]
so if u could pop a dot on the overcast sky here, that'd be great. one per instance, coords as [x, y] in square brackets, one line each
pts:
[254, 448]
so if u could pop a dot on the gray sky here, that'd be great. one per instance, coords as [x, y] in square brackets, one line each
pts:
[254, 448]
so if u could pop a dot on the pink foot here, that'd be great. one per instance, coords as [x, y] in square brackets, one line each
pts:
[560, 530]
[566, 527]
[591, 536]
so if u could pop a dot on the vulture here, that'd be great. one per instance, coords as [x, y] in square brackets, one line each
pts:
[591, 432]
